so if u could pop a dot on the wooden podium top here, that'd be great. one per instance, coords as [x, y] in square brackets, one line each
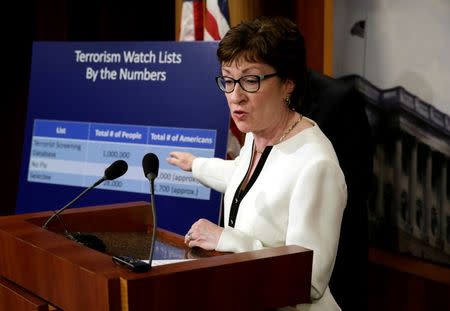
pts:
[71, 276]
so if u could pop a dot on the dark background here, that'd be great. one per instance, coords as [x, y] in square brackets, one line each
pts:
[394, 283]
[61, 20]
[21, 23]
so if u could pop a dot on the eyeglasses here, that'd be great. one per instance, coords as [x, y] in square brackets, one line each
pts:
[249, 83]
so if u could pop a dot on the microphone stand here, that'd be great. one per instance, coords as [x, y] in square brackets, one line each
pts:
[152, 198]
[88, 240]
[131, 263]
[116, 169]
[134, 264]
[56, 213]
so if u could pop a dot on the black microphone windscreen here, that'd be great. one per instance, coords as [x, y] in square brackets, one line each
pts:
[116, 169]
[150, 164]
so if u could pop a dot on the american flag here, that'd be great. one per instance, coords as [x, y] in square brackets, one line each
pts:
[216, 19]
[209, 20]
[191, 27]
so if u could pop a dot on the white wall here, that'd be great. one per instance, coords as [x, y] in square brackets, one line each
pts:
[407, 43]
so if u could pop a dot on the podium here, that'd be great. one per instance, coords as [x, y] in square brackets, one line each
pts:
[41, 269]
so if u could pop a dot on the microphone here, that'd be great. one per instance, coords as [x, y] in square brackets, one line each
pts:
[115, 170]
[150, 164]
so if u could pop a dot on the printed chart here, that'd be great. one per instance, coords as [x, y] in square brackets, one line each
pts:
[77, 153]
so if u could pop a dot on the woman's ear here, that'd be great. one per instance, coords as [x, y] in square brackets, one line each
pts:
[290, 86]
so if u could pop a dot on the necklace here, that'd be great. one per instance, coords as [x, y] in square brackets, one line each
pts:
[290, 129]
[286, 133]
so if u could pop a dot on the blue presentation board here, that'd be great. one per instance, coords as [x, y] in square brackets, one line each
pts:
[92, 103]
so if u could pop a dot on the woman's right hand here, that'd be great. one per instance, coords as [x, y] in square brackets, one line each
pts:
[181, 159]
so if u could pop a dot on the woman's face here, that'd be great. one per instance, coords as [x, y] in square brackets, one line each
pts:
[261, 111]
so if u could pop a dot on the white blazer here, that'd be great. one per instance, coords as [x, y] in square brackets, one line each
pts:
[298, 198]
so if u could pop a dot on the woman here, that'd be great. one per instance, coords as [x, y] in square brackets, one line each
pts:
[286, 186]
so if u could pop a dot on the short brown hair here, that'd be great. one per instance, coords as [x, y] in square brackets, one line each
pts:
[275, 41]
